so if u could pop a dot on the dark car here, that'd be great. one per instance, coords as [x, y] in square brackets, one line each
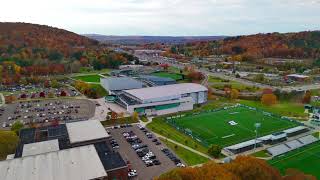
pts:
[156, 162]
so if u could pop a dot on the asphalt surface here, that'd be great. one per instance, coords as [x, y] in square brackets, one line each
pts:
[14, 112]
[128, 154]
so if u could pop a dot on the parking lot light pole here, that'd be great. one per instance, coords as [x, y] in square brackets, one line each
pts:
[257, 126]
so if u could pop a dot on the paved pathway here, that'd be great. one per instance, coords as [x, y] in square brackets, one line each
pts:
[2, 100]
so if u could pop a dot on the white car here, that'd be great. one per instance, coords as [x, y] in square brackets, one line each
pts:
[181, 165]
[132, 174]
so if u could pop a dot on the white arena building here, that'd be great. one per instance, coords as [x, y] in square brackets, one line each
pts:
[161, 100]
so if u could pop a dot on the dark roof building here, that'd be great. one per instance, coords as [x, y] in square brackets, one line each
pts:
[157, 81]
[65, 145]
[114, 84]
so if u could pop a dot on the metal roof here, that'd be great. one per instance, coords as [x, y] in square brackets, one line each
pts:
[40, 147]
[85, 131]
[120, 83]
[295, 129]
[156, 78]
[244, 144]
[167, 92]
[82, 163]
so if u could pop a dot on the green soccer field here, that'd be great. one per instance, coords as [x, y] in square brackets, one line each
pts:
[89, 78]
[214, 127]
[306, 159]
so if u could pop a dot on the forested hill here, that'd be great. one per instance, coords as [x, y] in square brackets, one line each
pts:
[287, 45]
[30, 49]
[31, 41]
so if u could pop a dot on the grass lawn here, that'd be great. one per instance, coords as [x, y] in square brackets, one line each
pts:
[100, 90]
[187, 156]
[220, 84]
[262, 154]
[159, 126]
[88, 78]
[214, 127]
[144, 118]
[282, 108]
[174, 76]
[306, 159]
[125, 120]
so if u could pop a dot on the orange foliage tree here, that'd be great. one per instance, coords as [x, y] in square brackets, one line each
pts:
[269, 99]
[307, 97]
[243, 167]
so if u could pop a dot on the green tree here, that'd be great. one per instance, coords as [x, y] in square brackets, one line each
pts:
[215, 150]
[16, 127]
[8, 143]
[54, 83]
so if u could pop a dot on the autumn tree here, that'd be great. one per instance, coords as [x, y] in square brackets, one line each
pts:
[135, 116]
[307, 97]
[10, 99]
[268, 99]
[234, 94]
[215, 150]
[243, 167]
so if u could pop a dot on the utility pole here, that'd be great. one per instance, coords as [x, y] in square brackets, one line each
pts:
[257, 126]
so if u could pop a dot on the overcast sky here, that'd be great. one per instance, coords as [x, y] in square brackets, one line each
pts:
[167, 17]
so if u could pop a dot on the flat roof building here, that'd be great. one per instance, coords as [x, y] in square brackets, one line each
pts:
[161, 100]
[77, 150]
[86, 132]
[157, 81]
[76, 163]
[115, 84]
[40, 147]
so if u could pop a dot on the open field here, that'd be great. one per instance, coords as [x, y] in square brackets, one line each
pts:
[159, 126]
[187, 156]
[306, 159]
[174, 76]
[89, 78]
[214, 127]
[220, 84]
[282, 108]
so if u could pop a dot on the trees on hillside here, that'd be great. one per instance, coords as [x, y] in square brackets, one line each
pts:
[243, 167]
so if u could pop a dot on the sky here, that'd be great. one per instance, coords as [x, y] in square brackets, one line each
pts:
[167, 17]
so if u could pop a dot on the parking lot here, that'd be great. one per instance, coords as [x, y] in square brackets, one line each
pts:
[130, 153]
[43, 111]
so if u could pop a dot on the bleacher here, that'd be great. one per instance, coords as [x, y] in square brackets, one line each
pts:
[307, 139]
[279, 149]
[294, 144]
[291, 145]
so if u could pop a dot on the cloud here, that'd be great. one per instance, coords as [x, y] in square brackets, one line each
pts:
[167, 17]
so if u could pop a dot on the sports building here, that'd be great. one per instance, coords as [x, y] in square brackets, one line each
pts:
[115, 84]
[161, 100]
